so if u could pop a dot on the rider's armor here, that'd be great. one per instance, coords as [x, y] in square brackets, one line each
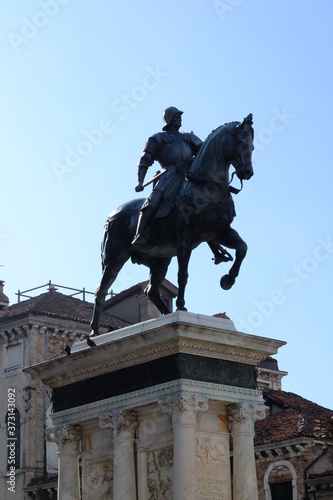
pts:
[169, 150]
[174, 152]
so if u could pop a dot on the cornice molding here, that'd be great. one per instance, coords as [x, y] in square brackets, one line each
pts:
[282, 449]
[24, 330]
[150, 353]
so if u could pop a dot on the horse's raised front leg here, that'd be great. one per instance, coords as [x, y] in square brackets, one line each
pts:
[231, 239]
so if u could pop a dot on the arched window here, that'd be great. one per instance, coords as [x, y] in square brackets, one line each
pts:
[280, 481]
[13, 424]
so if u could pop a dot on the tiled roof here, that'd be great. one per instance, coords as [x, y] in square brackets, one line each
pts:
[57, 305]
[290, 417]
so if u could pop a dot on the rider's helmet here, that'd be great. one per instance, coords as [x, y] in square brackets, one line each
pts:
[169, 114]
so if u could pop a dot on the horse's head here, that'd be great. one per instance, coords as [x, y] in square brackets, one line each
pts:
[241, 154]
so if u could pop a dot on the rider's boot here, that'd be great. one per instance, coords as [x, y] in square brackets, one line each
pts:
[220, 253]
[144, 220]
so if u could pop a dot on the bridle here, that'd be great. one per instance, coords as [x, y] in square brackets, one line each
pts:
[232, 189]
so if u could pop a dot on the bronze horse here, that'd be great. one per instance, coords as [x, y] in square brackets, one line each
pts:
[203, 212]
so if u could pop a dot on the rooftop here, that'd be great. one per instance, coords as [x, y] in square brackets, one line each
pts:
[291, 416]
[54, 304]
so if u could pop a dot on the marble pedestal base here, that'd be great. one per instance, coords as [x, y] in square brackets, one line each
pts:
[156, 405]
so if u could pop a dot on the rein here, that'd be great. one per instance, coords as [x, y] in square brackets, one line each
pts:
[197, 180]
[233, 189]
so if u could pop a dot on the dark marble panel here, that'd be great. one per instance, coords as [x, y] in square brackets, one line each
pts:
[152, 373]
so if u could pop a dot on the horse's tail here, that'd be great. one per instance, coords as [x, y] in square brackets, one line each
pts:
[119, 228]
[110, 230]
[104, 243]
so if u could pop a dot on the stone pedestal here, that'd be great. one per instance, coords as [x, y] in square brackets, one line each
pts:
[155, 405]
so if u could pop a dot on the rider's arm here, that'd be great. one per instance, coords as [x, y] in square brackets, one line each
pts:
[196, 143]
[147, 159]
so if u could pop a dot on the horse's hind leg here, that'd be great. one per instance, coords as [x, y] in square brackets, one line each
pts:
[158, 270]
[231, 239]
[183, 257]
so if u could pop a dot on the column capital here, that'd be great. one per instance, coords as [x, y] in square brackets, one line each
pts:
[183, 408]
[68, 437]
[123, 423]
[242, 416]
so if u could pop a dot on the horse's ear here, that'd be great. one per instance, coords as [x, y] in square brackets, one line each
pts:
[247, 121]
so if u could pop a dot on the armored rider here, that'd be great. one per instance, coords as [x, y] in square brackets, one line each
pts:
[174, 151]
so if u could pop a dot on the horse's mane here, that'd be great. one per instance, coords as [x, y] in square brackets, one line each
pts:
[226, 127]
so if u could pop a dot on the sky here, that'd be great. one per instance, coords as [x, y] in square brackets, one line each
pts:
[84, 84]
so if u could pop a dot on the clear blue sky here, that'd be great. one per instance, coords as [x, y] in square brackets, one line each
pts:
[85, 83]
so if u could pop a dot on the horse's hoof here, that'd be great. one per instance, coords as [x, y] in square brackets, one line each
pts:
[227, 282]
[181, 309]
[90, 342]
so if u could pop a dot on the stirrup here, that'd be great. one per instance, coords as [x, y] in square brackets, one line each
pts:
[222, 256]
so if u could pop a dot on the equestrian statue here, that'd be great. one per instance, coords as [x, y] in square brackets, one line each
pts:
[190, 203]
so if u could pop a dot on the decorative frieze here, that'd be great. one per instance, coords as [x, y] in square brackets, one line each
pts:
[160, 473]
[214, 351]
[212, 452]
[98, 480]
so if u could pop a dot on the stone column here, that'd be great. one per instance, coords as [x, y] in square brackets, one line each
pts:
[68, 438]
[124, 480]
[183, 409]
[241, 418]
